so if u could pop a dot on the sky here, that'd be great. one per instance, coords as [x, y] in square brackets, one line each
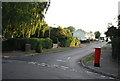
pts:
[89, 15]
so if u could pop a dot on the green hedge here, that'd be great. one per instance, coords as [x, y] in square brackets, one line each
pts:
[66, 43]
[116, 48]
[39, 47]
[85, 41]
[70, 42]
[19, 43]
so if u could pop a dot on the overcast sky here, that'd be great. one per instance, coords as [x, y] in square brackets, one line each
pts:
[89, 15]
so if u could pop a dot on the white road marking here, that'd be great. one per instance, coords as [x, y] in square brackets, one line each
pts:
[102, 76]
[61, 60]
[68, 58]
[111, 78]
[56, 65]
[43, 64]
[88, 72]
[31, 62]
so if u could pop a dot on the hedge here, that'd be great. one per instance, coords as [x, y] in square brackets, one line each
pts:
[70, 42]
[39, 47]
[85, 41]
[75, 42]
[65, 43]
[116, 48]
[19, 43]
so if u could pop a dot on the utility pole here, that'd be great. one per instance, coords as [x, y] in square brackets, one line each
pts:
[49, 33]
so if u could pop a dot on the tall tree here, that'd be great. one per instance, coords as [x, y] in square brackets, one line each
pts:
[112, 32]
[71, 28]
[22, 18]
[58, 34]
[97, 34]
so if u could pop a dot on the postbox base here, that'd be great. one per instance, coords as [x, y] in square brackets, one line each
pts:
[97, 64]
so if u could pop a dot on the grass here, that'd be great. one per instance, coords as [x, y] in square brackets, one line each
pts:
[118, 74]
[89, 58]
[30, 53]
[5, 56]
[105, 47]
[83, 45]
[55, 50]
[48, 51]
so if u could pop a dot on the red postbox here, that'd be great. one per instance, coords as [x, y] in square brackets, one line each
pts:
[97, 57]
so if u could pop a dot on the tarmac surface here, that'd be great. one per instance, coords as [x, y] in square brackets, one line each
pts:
[59, 65]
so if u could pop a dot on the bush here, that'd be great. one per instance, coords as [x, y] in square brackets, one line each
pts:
[19, 43]
[13, 44]
[39, 47]
[48, 43]
[69, 42]
[33, 42]
[109, 42]
[85, 41]
[116, 48]
[75, 42]
[66, 42]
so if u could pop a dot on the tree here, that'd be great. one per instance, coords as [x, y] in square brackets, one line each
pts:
[22, 19]
[71, 28]
[41, 31]
[58, 34]
[97, 34]
[112, 32]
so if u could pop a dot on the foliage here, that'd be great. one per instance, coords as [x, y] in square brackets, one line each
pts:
[61, 36]
[75, 42]
[97, 34]
[21, 19]
[41, 32]
[89, 58]
[66, 43]
[112, 32]
[19, 43]
[71, 28]
[58, 34]
[39, 47]
[85, 41]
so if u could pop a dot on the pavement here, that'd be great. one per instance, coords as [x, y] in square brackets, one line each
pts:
[108, 66]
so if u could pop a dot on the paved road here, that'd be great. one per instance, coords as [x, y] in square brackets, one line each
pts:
[60, 65]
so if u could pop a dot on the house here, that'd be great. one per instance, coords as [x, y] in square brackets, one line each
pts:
[82, 35]
[90, 35]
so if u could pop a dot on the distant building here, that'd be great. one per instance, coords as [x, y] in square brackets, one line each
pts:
[82, 35]
[90, 35]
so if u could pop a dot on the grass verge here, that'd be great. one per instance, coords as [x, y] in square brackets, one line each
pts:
[83, 45]
[119, 75]
[31, 53]
[48, 51]
[89, 58]
[105, 47]
[55, 50]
